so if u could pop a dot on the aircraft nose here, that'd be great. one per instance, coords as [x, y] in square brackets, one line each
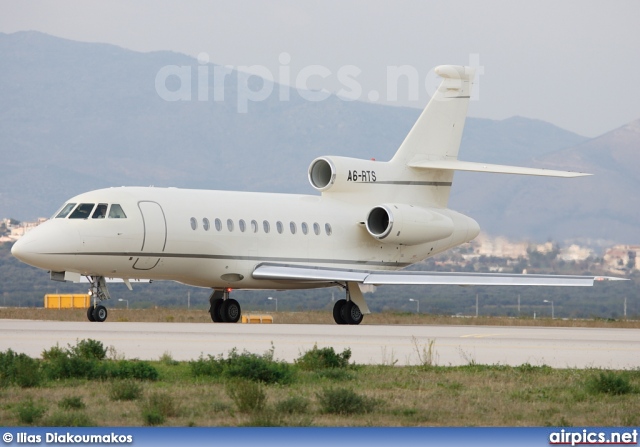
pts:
[21, 249]
[18, 249]
[41, 246]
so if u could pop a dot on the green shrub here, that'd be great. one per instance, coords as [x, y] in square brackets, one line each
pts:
[528, 368]
[257, 368]
[27, 372]
[54, 353]
[129, 369]
[316, 358]
[87, 360]
[125, 390]
[344, 401]
[210, 366]
[248, 396]
[88, 349]
[609, 383]
[63, 366]
[167, 359]
[71, 403]
[19, 369]
[152, 416]
[69, 419]
[293, 405]
[29, 412]
[163, 403]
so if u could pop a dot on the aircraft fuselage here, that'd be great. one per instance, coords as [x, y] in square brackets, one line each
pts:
[217, 238]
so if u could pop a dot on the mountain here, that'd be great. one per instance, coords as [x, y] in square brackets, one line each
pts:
[79, 116]
[604, 206]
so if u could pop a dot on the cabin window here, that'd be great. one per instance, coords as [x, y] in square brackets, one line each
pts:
[218, 224]
[327, 229]
[242, 225]
[100, 212]
[279, 227]
[316, 228]
[83, 211]
[266, 226]
[230, 225]
[254, 226]
[116, 212]
[292, 227]
[65, 211]
[305, 228]
[205, 224]
[194, 223]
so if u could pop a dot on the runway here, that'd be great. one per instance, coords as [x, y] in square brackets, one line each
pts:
[370, 344]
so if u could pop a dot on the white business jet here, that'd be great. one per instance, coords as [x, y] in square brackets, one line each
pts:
[371, 220]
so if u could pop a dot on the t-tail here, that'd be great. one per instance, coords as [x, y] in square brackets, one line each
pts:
[421, 171]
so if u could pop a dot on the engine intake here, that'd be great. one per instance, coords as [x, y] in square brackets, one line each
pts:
[407, 224]
[322, 174]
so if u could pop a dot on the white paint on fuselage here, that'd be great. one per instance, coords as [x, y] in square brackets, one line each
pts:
[116, 247]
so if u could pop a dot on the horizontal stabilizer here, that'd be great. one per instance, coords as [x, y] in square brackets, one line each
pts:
[283, 272]
[457, 165]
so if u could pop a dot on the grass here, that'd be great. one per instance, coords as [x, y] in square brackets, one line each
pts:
[169, 315]
[372, 395]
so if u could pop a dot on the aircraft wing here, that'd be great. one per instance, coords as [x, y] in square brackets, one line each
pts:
[287, 272]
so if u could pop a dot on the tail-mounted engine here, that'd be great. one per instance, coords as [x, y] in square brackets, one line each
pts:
[340, 174]
[407, 224]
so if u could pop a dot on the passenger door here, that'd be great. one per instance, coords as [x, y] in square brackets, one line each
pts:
[155, 235]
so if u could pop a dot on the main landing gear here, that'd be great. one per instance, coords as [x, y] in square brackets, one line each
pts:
[224, 309]
[346, 311]
[99, 292]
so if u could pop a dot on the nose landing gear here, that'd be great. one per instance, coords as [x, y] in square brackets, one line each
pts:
[99, 292]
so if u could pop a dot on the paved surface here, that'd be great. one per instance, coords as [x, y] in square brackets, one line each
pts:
[453, 345]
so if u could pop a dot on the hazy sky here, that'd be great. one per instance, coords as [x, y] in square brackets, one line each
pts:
[575, 64]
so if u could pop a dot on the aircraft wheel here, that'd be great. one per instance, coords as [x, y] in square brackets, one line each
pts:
[90, 313]
[230, 311]
[351, 313]
[215, 311]
[100, 313]
[337, 311]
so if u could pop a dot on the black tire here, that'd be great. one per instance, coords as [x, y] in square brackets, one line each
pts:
[230, 311]
[337, 311]
[100, 313]
[351, 313]
[215, 311]
[90, 314]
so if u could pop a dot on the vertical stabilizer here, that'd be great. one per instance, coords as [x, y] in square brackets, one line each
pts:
[437, 133]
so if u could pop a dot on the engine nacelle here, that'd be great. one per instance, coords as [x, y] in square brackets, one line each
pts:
[341, 174]
[408, 224]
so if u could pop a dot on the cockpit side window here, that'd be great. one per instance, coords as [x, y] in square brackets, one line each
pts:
[83, 211]
[116, 212]
[100, 212]
[65, 211]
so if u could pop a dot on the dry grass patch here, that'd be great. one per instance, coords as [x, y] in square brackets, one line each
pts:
[178, 315]
[383, 395]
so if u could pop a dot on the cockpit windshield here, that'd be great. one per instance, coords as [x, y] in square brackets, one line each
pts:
[65, 211]
[100, 212]
[116, 212]
[83, 211]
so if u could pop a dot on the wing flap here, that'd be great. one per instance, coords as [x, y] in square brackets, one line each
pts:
[280, 272]
[457, 165]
